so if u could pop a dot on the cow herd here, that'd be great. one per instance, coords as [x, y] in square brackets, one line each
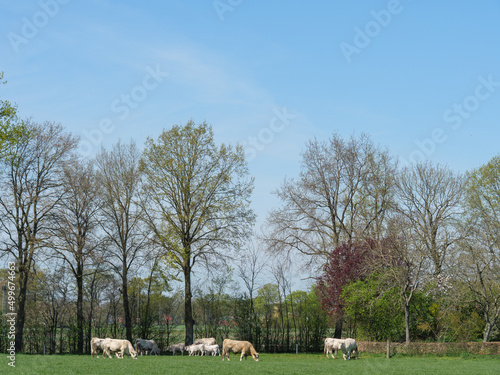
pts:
[204, 347]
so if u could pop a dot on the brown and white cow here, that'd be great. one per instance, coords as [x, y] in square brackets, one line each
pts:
[236, 346]
[119, 348]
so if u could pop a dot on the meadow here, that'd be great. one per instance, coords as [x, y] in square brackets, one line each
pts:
[272, 364]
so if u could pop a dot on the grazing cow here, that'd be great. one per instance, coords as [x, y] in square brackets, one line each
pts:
[212, 350]
[146, 346]
[332, 346]
[178, 347]
[119, 348]
[349, 346]
[95, 344]
[236, 346]
[196, 349]
[206, 341]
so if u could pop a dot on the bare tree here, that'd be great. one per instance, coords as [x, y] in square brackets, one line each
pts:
[281, 272]
[120, 180]
[342, 194]
[402, 262]
[74, 239]
[250, 266]
[197, 200]
[430, 198]
[31, 189]
[152, 263]
[94, 283]
[54, 304]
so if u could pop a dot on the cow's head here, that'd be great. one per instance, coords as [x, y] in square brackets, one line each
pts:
[255, 356]
[133, 354]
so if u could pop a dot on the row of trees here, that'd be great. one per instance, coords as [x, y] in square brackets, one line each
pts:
[180, 201]
[408, 230]
[275, 320]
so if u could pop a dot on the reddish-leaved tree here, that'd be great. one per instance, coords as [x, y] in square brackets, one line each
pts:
[345, 264]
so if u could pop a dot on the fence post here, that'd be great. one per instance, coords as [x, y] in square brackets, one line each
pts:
[296, 348]
[388, 348]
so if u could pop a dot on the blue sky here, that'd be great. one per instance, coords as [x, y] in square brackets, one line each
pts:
[421, 77]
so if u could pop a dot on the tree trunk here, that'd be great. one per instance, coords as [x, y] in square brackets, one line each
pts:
[188, 309]
[252, 317]
[487, 331]
[146, 319]
[61, 339]
[126, 307]
[338, 327]
[20, 317]
[79, 309]
[91, 313]
[407, 322]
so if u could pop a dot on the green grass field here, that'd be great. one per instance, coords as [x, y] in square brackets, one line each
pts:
[289, 364]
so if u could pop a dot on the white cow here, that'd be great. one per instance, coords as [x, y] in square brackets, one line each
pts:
[196, 349]
[119, 348]
[206, 341]
[349, 346]
[95, 344]
[332, 346]
[147, 347]
[212, 350]
[178, 347]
